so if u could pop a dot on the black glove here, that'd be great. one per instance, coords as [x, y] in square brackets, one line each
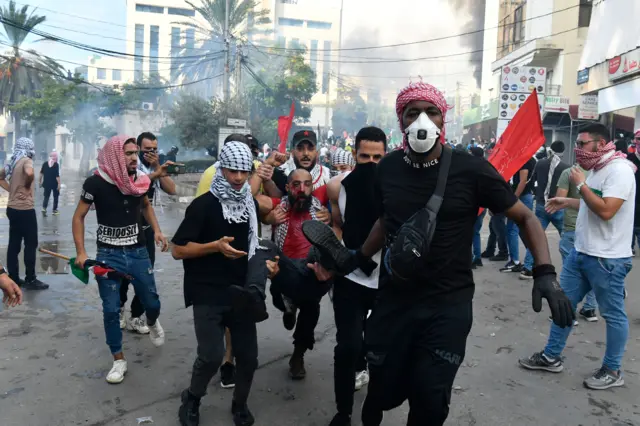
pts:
[545, 284]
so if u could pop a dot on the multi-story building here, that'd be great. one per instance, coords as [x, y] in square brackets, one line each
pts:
[544, 33]
[108, 71]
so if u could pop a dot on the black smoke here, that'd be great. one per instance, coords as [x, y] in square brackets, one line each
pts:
[474, 41]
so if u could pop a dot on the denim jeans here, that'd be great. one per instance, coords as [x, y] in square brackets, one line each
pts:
[513, 232]
[557, 219]
[567, 242]
[135, 262]
[582, 273]
[497, 234]
[477, 243]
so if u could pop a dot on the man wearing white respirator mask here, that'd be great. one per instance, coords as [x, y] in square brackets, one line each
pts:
[417, 332]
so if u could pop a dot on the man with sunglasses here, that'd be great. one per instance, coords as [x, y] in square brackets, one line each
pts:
[635, 159]
[148, 164]
[601, 257]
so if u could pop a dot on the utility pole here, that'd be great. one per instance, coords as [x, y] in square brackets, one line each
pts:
[238, 77]
[225, 87]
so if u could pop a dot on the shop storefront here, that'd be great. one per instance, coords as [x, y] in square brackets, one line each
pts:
[480, 123]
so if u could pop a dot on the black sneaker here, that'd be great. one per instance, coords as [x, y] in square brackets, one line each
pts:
[603, 379]
[296, 365]
[508, 266]
[588, 314]
[227, 375]
[35, 284]
[341, 420]
[526, 274]
[323, 237]
[500, 257]
[476, 263]
[289, 315]
[241, 415]
[539, 361]
[189, 413]
[487, 255]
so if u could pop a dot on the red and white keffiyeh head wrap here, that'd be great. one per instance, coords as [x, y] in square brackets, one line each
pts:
[420, 92]
[112, 167]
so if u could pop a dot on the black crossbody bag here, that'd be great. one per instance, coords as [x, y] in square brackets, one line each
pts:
[410, 247]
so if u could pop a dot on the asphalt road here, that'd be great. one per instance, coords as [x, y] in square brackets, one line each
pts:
[53, 356]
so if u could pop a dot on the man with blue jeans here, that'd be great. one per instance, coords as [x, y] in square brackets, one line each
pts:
[601, 258]
[545, 180]
[118, 191]
[523, 188]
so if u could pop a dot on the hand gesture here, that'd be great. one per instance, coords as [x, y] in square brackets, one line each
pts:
[556, 204]
[152, 158]
[547, 286]
[279, 216]
[273, 267]
[225, 248]
[277, 159]
[12, 295]
[324, 216]
[321, 274]
[161, 241]
[576, 176]
[80, 259]
[265, 172]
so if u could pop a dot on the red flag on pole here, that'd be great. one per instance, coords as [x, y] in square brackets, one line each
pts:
[284, 126]
[521, 139]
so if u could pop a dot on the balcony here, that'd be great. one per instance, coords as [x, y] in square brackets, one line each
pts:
[536, 53]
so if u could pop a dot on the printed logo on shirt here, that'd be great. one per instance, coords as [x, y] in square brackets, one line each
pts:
[122, 236]
[597, 192]
[84, 194]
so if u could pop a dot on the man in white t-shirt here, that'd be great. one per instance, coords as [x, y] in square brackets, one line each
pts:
[601, 258]
[354, 213]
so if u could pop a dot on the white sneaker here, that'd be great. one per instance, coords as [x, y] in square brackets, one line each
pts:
[156, 334]
[123, 319]
[119, 369]
[362, 379]
[138, 325]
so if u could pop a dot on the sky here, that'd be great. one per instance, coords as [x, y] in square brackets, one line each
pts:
[365, 23]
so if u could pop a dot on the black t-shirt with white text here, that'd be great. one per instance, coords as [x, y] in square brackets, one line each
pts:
[49, 175]
[401, 190]
[207, 278]
[119, 216]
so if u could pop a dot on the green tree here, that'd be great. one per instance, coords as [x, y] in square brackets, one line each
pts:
[350, 111]
[22, 72]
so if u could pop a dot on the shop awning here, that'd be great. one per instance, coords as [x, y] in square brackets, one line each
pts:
[619, 96]
[613, 31]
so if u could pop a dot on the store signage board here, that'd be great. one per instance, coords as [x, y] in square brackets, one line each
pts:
[624, 65]
[588, 107]
[516, 83]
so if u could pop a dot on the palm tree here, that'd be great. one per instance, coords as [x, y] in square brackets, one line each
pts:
[207, 60]
[22, 72]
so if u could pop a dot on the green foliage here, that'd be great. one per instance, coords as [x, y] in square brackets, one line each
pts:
[349, 112]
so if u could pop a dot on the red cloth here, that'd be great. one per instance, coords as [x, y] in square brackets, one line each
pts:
[597, 160]
[112, 162]
[284, 126]
[296, 245]
[321, 194]
[421, 92]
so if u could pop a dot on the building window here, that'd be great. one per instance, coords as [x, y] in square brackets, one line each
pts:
[584, 14]
[148, 8]
[287, 22]
[154, 38]
[506, 37]
[295, 43]
[518, 27]
[116, 75]
[182, 12]
[102, 74]
[319, 25]
[175, 53]
[326, 75]
[138, 66]
[190, 38]
[282, 41]
[289, 1]
[313, 55]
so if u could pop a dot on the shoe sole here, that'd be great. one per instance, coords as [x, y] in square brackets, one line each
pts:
[541, 368]
[229, 386]
[525, 277]
[589, 319]
[321, 236]
[118, 382]
[298, 377]
[289, 325]
[612, 385]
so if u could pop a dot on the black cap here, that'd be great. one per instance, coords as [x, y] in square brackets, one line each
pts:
[253, 142]
[557, 146]
[304, 136]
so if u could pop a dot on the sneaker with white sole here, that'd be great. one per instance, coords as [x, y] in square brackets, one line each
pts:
[362, 379]
[138, 325]
[156, 334]
[540, 361]
[123, 319]
[117, 372]
[604, 378]
[589, 314]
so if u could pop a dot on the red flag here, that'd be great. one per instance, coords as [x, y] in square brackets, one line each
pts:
[521, 139]
[284, 126]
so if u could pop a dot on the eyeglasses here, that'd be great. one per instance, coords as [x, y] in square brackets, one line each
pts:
[580, 144]
[154, 150]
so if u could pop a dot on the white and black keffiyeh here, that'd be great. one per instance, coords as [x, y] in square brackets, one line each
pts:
[342, 158]
[282, 229]
[237, 205]
[23, 148]
[554, 161]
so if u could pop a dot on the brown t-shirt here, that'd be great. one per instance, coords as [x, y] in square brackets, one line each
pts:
[21, 196]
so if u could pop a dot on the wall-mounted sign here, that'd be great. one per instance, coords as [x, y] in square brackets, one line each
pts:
[583, 76]
[556, 104]
[624, 65]
[516, 84]
[588, 107]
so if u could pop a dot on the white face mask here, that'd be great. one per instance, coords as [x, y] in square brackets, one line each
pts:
[423, 134]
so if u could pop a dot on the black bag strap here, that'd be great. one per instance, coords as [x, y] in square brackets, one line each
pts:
[435, 201]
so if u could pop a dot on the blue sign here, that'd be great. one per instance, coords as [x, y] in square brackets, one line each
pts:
[583, 76]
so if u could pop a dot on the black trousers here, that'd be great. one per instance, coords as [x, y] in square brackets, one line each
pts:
[136, 306]
[47, 194]
[210, 322]
[351, 303]
[497, 234]
[414, 352]
[299, 283]
[23, 225]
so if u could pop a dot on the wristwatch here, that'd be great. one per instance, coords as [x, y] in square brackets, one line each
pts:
[579, 186]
